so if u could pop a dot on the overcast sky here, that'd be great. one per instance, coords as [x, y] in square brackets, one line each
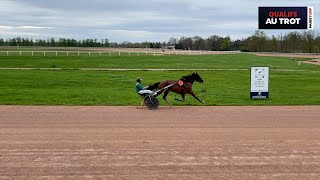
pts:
[136, 20]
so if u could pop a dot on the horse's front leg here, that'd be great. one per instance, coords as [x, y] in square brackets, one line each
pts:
[193, 95]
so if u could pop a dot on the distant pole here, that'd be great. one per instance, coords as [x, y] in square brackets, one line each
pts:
[89, 53]
[32, 53]
[20, 53]
[78, 53]
[138, 53]
[44, 53]
[100, 53]
[56, 53]
[7, 53]
[129, 54]
[146, 53]
[154, 53]
[119, 53]
[109, 53]
[67, 53]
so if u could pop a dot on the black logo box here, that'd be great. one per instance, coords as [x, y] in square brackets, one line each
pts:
[302, 13]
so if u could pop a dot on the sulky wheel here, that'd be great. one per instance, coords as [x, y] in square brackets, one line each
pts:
[151, 102]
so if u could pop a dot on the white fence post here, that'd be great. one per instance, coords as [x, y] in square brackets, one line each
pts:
[44, 53]
[32, 53]
[119, 54]
[129, 54]
[89, 53]
[154, 53]
[67, 53]
[7, 53]
[176, 53]
[56, 53]
[109, 53]
[146, 53]
[78, 53]
[138, 53]
[100, 53]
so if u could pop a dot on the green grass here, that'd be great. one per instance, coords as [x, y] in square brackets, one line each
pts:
[75, 87]
[118, 88]
[232, 61]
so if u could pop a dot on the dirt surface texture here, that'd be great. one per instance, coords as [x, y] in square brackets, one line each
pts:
[89, 142]
[315, 57]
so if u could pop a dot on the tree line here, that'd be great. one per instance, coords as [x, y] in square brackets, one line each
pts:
[61, 42]
[292, 42]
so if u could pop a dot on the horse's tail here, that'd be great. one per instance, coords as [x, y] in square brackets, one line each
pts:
[153, 86]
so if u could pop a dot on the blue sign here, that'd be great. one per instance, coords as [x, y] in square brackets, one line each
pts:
[286, 17]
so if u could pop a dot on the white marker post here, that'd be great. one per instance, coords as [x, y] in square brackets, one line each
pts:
[259, 83]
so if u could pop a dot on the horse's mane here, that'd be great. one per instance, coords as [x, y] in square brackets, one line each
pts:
[186, 78]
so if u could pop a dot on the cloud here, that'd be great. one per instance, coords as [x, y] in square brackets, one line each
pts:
[23, 27]
[140, 20]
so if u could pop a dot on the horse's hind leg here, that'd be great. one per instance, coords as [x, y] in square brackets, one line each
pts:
[165, 94]
[183, 98]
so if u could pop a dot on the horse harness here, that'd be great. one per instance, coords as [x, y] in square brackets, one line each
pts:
[181, 83]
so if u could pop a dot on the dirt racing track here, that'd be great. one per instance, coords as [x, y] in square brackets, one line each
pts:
[169, 143]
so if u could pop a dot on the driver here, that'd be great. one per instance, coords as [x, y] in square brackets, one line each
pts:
[142, 90]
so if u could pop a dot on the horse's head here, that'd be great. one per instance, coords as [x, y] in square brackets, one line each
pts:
[197, 77]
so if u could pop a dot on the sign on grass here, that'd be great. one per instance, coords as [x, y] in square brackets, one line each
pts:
[259, 82]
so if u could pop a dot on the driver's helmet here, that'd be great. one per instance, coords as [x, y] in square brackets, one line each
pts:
[138, 79]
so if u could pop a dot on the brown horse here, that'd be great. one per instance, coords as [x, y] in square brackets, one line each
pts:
[183, 87]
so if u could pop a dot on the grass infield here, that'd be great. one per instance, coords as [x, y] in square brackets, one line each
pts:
[223, 87]
[231, 61]
[36, 87]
